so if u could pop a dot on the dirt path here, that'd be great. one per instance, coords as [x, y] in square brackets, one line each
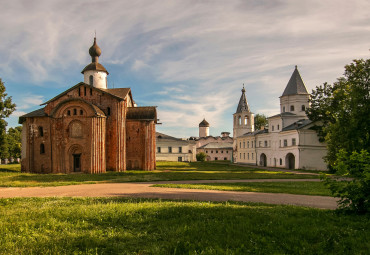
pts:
[144, 190]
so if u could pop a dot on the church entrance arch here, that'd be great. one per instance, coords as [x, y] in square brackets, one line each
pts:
[263, 160]
[290, 161]
[75, 158]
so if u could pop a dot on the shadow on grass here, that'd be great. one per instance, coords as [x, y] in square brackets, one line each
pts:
[150, 226]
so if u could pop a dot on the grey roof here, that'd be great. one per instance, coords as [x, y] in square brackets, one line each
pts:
[142, 113]
[297, 125]
[217, 146]
[204, 123]
[95, 66]
[243, 104]
[295, 85]
[37, 113]
[283, 114]
[159, 135]
[255, 133]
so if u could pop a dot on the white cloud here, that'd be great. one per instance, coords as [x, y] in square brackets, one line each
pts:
[192, 55]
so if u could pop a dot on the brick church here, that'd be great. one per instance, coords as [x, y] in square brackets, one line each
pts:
[89, 128]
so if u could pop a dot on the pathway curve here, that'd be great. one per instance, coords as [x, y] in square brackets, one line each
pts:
[144, 190]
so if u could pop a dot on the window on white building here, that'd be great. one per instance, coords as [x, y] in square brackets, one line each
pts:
[278, 127]
[293, 141]
[285, 142]
[159, 149]
[248, 156]
[248, 144]
[243, 144]
[272, 128]
[292, 108]
[180, 149]
[303, 108]
[244, 155]
[170, 149]
[265, 143]
[252, 155]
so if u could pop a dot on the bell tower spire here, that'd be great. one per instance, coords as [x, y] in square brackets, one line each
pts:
[95, 73]
[243, 117]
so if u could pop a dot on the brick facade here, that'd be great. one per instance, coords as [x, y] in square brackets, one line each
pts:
[85, 129]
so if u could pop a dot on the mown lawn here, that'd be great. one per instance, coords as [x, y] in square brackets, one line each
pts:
[10, 175]
[142, 226]
[301, 188]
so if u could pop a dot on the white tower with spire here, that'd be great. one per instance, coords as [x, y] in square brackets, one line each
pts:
[243, 117]
[94, 73]
[295, 98]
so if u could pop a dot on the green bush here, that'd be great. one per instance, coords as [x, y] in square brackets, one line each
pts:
[354, 191]
[201, 156]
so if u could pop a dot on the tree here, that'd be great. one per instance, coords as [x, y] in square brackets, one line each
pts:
[260, 120]
[342, 109]
[14, 141]
[6, 108]
[201, 156]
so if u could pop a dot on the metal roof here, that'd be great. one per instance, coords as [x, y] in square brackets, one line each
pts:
[243, 104]
[217, 146]
[295, 85]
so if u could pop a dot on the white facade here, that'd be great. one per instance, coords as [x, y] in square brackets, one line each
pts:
[174, 149]
[96, 78]
[289, 142]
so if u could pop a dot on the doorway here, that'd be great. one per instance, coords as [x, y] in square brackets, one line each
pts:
[290, 161]
[76, 162]
[263, 160]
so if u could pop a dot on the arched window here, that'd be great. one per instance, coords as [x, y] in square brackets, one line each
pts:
[69, 112]
[283, 108]
[240, 120]
[292, 108]
[42, 148]
[303, 108]
[91, 80]
[74, 111]
[84, 91]
[108, 111]
[90, 91]
[245, 120]
[41, 131]
[81, 112]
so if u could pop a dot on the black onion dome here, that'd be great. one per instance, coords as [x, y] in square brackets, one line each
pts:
[204, 123]
[94, 50]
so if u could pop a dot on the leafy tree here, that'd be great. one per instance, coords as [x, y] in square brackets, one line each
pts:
[260, 120]
[354, 193]
[201, 156]
[14, 141]
[6, 108]
[342, 109]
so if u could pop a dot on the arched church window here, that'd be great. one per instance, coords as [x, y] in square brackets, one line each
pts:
[240, 120]
[75, 129]
[84, 91]
[42, 148]
[75, 111]
[283, 108]
[303, 108]
[91, 80]
[108, 111]
[41, 131]
[90, 91]
[81, 112]
[245, 120]
[292, 108]
[69, 112]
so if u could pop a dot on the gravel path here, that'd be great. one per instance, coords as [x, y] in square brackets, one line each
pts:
[144, 190]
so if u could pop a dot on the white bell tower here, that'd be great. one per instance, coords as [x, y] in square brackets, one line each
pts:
[94, 73]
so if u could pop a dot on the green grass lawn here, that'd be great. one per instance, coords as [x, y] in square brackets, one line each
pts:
[301, 188]
[142, 226]
[10, 175]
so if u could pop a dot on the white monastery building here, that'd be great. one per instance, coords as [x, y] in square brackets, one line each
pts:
[289, 142]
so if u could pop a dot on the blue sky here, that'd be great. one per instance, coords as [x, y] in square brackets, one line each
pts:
[189, 58]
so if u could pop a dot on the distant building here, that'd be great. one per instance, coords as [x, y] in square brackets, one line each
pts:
[217, 151]
[223, 142]
[174, 149]
[289, 142]
[89, 128]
